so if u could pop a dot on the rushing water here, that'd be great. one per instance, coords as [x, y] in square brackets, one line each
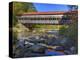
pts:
[43, 45]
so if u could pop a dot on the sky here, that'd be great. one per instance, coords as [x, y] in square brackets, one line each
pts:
[40, 7]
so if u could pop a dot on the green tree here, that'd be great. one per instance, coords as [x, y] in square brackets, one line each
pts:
[72, 31]
[72, 7]
[20, 8]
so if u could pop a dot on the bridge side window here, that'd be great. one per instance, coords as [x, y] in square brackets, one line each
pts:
[41, 18]
[22, 18]
[52, 18]
[34, 18]
[37, 18]
[49, 18]
[19, 18]
[56, 18]
[46, 18]
[25, 18]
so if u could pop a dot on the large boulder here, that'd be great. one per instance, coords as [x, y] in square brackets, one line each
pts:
[37, 49]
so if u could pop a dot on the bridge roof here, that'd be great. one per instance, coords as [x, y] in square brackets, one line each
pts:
[49, 13]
